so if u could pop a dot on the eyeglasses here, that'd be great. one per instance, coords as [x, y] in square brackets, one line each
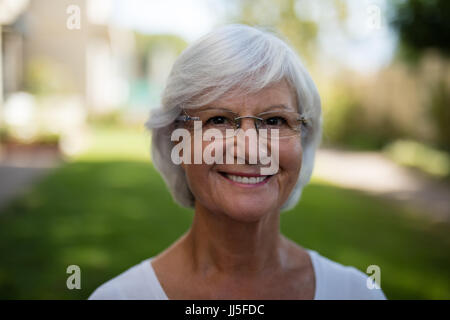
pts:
[287, 123]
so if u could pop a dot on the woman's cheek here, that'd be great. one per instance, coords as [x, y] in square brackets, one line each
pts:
[291, 155]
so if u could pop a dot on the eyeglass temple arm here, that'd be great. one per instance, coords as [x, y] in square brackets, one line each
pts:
[303, 120]
[186, 117]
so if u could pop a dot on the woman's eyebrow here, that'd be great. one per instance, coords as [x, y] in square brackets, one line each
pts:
[277, 106]
[268, 108]
[213, 108]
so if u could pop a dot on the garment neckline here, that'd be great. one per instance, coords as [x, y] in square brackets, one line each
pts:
[148, 267]
[312, 254]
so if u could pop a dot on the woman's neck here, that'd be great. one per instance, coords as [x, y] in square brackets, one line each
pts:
[220, 244]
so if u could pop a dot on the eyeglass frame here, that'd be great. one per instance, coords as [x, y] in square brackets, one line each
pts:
[186, 117]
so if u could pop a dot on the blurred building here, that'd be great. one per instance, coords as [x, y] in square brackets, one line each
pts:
[43, 43]
[10, 44]
[61, 61]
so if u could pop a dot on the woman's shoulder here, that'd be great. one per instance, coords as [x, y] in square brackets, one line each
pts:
[136, 283]
[335, 281]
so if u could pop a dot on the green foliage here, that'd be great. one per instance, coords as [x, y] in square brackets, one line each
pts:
[48, 138]
[338, 111]
[293, 21]
[423, 24]
[440, 112]
[117, 144]
[280, 15]
[3, 134]
[346, 123]
[417, 155]
[42, 138]
[112, 118]
[146, 45]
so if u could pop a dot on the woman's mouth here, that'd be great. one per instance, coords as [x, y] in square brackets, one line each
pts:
[244, 179]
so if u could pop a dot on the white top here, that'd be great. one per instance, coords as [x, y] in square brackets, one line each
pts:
[334, 281]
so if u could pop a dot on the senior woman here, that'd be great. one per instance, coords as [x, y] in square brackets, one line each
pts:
[238, 78]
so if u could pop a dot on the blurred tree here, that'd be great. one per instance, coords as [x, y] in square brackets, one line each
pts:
[146, 44]
[423, 27]
[440, 111]
[422, 24]
[297, 20]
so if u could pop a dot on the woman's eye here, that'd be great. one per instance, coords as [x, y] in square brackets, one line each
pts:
[217, 120]
[275, 121]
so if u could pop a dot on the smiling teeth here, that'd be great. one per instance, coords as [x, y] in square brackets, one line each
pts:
[247, 180]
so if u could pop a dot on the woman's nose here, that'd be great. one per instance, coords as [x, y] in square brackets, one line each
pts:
[247, 123]
[245, 142]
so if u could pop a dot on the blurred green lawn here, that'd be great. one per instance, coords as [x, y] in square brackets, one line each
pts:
[109, 209]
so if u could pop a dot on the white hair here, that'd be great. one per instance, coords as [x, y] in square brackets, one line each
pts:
[232, 57]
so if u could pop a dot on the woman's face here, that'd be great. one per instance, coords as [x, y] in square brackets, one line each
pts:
[214, 185]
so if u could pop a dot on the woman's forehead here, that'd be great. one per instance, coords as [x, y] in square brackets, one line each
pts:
[278, 96]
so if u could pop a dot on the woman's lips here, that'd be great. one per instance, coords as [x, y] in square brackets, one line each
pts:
[245, 179]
